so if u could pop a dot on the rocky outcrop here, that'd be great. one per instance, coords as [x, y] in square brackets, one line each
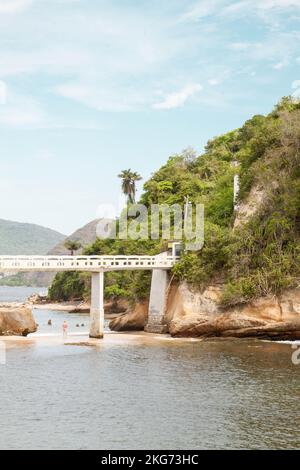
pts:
[16, 320]
[199, 314]
[246, 209]
[135, 319]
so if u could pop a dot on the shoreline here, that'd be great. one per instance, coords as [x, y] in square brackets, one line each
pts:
[68, 307]
[71, 307]
[80, 307]
[115, 338]
[110, 338]
[83, 308]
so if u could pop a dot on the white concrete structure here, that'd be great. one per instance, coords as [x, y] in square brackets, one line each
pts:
[97, 306]
[158, 302]
[97, 266]
[84, 263]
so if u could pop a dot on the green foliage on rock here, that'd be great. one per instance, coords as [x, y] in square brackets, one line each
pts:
[259, 256]
[69, 286]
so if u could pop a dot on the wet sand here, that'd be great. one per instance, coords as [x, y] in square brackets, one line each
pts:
[77, 339]
[112, 338]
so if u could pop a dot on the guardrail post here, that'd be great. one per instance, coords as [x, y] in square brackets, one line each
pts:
[97, 305]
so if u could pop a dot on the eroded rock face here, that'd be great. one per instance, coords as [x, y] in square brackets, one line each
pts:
[250, 206]
[16, 321]
[135, 319]
[199, 314]
[195, 314]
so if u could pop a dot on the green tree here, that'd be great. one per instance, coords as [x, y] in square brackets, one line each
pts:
[72, 246]
[129, 179]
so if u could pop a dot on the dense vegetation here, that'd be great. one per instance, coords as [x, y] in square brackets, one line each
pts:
[258, 257]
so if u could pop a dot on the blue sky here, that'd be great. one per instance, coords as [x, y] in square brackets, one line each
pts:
[91, 87]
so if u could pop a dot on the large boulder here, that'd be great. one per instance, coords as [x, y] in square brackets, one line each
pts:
[135, 319]
[16, 321]
[200, 314]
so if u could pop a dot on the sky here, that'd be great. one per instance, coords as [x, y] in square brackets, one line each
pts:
[91, 87]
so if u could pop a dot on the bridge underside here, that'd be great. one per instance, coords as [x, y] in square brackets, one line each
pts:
[157, 303]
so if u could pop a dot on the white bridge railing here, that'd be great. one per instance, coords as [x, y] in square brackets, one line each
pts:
[85, 263]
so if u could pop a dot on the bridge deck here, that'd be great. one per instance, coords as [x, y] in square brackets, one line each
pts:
[85, 263]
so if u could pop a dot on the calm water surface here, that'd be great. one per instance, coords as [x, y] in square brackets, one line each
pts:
[170, 394]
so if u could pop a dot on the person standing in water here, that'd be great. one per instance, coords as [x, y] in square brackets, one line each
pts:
[65, 329]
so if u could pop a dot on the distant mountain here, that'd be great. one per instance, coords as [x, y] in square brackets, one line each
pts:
[85, 235]
[18, 238]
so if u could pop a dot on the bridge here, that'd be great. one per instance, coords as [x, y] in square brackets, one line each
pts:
[84, 263]
[160, 265]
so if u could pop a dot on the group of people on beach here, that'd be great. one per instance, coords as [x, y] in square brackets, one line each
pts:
[65, 327]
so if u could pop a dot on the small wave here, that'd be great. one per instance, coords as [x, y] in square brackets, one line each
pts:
[47, 335]
[284, 341]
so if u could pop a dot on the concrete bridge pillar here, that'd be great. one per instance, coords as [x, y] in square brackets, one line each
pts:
[97, 305]
[157, 302]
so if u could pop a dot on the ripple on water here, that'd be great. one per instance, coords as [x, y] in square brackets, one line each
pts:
[152, 394]
[147, 393]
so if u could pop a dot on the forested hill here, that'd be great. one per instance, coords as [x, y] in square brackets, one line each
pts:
[28, 239]
[254, 251]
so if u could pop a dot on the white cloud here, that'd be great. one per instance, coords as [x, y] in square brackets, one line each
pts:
[75, 91]
[3, 92]
[179, 98]
[44, 155]
[111, 59]
[278, 66]
[24, 112]
[260, 5]
[227, 8]
[213, 81]
[14, 6]
[296, 84]
[277, 48]
[18, 110]
[241, 46]
[108, 58]
[280, 4]
[104, 97]
[202, 10]
[20, 117]
[53, 60]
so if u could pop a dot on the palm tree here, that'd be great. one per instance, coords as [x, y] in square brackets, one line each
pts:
[129, 179]
[72, 245]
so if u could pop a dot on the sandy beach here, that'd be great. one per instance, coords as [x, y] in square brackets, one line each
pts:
[61, 306]
[77, 339]
[70, 307]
